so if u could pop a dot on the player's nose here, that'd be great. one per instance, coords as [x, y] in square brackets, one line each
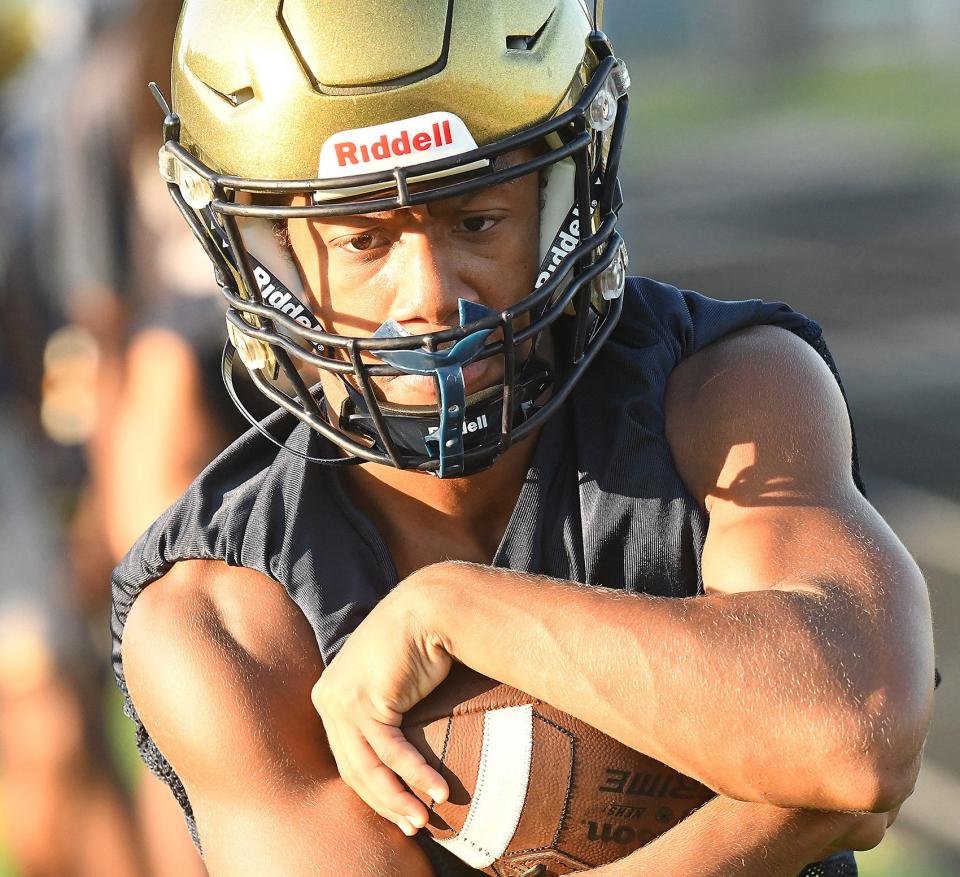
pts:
[429, 284]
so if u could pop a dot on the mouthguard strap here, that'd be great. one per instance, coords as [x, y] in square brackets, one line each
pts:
[447, 442]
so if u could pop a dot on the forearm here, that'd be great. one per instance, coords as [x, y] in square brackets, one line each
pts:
[727, 837]
[751, 694]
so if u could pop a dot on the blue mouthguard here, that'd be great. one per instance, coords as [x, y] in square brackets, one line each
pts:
[447, 368]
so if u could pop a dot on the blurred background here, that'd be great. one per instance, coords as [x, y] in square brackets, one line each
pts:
[808, 152]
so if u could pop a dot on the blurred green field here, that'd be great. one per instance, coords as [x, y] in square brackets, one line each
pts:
[6, 868]
[915, 101]
[901, 855]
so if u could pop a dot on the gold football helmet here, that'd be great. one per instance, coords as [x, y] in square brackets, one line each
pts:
[380, 105]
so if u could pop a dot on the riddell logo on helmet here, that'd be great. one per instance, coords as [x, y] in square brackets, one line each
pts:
[470, 426]
[566, 241]
[395, 144]
[564, 244]
[353, 152]
[282, 301]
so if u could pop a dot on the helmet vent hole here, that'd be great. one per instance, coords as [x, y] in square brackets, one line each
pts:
[241, 96]
[235, 98]
[526, 43]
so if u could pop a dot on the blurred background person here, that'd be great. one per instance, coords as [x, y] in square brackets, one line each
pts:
[162, 411]
[63, 808]
[804, 152]
[131, 375]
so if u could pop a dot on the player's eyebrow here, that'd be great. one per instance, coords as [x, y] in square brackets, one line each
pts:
[381, 216]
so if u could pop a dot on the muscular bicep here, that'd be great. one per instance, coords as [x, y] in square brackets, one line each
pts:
[220, 665]
[762, 437]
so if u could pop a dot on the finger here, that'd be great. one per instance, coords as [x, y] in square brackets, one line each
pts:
[362, 789]
[379, 786]
[406, 827]
[404, 759]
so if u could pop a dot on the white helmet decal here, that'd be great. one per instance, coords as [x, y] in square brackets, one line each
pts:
[395, 144]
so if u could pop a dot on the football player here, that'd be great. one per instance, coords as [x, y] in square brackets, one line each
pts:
[493, 447]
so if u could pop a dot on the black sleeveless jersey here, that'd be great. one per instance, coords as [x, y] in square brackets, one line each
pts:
[602, 502]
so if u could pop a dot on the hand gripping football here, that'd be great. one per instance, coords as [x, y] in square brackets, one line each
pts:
[533, 790]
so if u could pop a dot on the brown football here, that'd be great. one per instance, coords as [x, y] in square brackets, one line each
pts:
[533, 786]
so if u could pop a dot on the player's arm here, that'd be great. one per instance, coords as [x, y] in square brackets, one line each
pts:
[220, 663]
[804, 676]
[727, 837]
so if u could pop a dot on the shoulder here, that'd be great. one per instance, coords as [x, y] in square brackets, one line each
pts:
[762, 351]
[219, 663]
[216, 516]
[206, 597]
[759, 397]
[685, 322]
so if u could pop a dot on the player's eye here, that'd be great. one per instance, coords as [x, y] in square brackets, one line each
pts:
[362, 243]
[476, 224]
